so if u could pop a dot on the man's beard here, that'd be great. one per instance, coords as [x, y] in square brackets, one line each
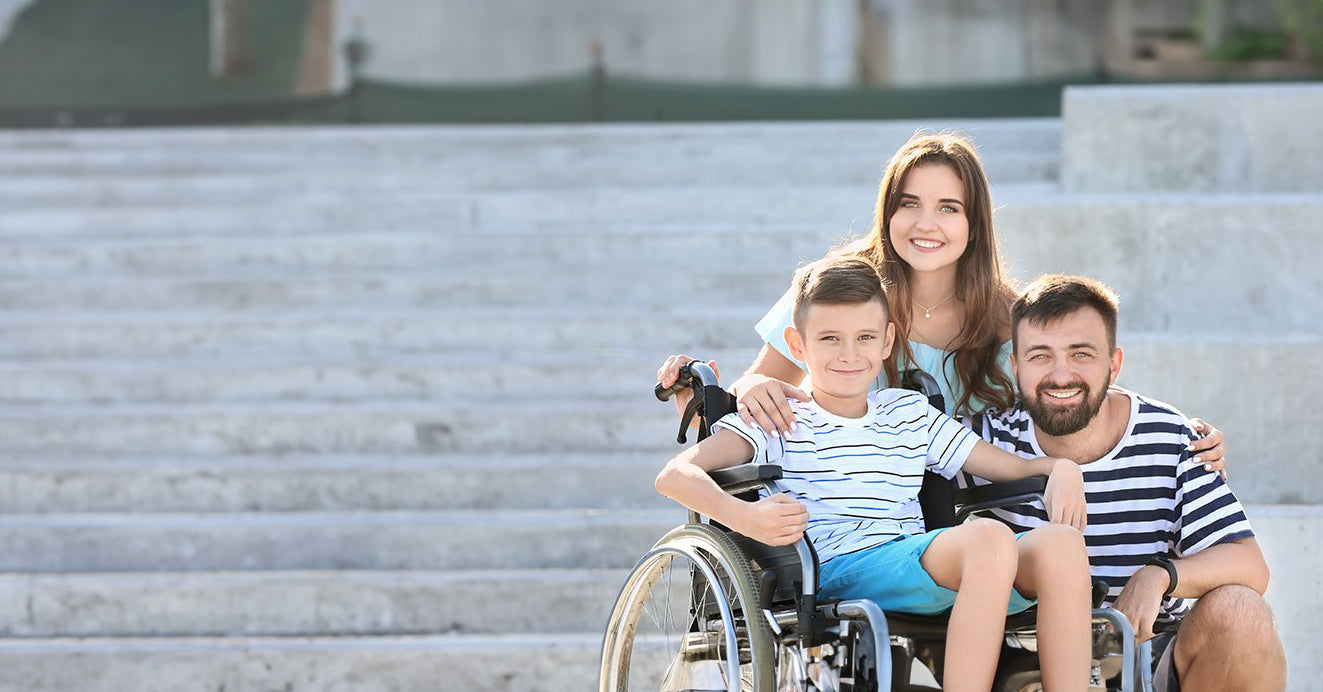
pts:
[1057, 420]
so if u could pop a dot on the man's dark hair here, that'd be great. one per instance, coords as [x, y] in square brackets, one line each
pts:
[1053, 296]
[838, 280]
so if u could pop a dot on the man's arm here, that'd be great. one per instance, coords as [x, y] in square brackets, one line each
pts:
[775, 520]
[1064, 497]
[1235, 562]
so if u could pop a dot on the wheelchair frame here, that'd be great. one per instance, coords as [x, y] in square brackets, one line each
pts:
[747, 582]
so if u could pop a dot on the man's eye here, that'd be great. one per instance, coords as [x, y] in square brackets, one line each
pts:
[1082, 355]
[1038, 357]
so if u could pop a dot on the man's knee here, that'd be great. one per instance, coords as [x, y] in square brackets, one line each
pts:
[1233, 618]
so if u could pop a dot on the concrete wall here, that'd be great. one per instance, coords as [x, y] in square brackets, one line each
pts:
[1228, 139]
[744, 41]
[769, 42]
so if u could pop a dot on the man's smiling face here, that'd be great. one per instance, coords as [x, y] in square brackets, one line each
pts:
[1063, 369]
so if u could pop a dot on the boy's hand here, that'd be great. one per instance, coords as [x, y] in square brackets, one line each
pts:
[775, 520]
[1064, 497]
[670, 371]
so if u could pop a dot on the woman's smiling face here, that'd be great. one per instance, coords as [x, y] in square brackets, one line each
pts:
[930, 229]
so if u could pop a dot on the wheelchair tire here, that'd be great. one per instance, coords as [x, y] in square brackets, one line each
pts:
[656, 635]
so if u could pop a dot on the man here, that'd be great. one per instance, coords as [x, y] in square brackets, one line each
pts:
[1162, 530]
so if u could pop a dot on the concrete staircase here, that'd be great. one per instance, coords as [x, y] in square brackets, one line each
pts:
[369, 408]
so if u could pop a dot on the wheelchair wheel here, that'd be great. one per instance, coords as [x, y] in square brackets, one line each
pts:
[687, 618]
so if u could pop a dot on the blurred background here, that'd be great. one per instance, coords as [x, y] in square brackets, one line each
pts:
[131, 62]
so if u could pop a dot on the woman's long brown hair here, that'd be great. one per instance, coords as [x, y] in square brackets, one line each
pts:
[979, 283]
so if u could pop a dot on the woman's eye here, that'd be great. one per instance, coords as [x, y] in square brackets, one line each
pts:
[950, 209]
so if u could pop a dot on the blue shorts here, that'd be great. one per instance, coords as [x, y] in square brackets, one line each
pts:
[890, 576]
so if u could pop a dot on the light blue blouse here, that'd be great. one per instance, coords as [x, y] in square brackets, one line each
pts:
[931, 360]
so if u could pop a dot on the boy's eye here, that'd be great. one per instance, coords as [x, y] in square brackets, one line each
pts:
[827, 338]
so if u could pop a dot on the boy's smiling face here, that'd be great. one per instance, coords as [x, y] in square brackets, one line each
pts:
[844, 347]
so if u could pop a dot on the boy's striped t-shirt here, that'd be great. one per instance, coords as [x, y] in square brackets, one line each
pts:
[860, 477]
[1146, 497]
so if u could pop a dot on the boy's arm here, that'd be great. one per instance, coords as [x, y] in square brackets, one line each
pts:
[775, 520]
[1064, 497]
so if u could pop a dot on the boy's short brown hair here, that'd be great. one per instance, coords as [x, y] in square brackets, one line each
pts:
[838, 280]
[1053, 296]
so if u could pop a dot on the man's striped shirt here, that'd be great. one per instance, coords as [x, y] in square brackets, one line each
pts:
[1146, 497]
[860, 477]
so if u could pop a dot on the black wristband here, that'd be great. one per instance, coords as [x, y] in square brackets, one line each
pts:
[1166, 564]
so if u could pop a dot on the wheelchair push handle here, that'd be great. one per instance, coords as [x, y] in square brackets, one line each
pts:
[695, 370]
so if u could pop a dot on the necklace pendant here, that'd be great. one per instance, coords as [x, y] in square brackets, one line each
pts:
[927, 315]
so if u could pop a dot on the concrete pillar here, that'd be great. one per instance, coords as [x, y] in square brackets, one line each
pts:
[317, 59]
[231, 38]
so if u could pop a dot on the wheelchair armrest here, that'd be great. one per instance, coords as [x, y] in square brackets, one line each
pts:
[738, 479]
[981, 497]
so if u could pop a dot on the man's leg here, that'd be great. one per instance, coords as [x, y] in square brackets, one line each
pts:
[977, 560]
[1054, 568]
[1229, 642]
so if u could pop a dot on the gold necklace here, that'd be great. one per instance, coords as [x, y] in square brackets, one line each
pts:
[928, 311]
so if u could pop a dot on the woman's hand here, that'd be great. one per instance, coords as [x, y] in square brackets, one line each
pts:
[1210, 450]
[761, 400]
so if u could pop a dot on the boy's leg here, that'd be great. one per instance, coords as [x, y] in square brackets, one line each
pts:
[977, 560]
[1054, 568]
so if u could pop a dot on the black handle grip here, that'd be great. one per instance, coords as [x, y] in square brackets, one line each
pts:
[685, 378]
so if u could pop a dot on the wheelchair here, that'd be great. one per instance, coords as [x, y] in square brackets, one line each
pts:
[709, 609]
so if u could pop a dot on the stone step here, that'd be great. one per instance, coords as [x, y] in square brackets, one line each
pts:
[774, 247]
[42, 483]
[727, 164]
[835, 208]
[394, 540]
[657, 286]
[397, 377]
[284, 146]
[1261, 426]
[561, 661]
[485, 663]
[367, 333]
[307, 603]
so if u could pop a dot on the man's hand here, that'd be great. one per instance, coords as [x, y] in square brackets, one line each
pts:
[1064, 496]
[1141, 599]
[775, 520]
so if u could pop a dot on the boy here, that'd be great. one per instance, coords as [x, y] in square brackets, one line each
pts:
[852, 468]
